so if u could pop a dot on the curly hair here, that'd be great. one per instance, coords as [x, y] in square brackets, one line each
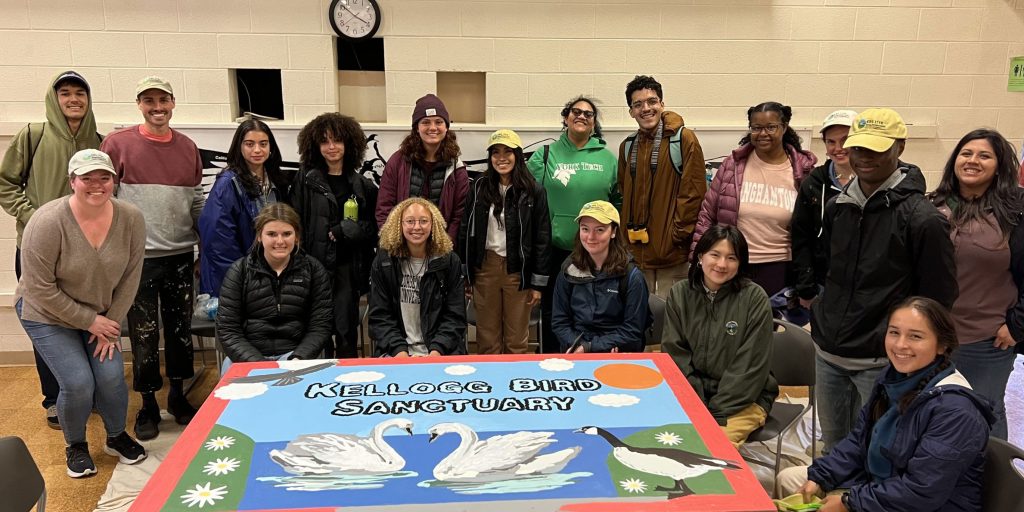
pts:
[392, 241]
[790, 137]
[641, 82]
[339, 127]
[272, 166]
[593, 106]
[413, 150]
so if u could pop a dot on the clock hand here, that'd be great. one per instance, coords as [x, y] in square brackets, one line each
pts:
[354, 15]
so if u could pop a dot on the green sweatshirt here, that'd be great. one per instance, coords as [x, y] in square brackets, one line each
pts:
[724, 347]
[574, 177]
[48, 178]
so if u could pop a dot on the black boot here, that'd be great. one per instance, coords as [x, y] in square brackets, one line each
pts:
[148, 419]
[177, 404]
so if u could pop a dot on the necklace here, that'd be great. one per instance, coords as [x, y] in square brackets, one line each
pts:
[417, 272]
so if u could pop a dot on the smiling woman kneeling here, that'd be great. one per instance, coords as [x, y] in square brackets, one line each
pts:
[417, 302]
[919, 444]
[275, 302]
[718, 329]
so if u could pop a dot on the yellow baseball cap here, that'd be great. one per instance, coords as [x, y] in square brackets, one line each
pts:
[153, 82]
[601, 211]
[876, 129]
[506, 138]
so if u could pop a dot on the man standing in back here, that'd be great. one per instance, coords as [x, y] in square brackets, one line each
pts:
[661, 173]
[161, 172]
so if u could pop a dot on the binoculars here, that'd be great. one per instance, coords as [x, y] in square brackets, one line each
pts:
[637, 234]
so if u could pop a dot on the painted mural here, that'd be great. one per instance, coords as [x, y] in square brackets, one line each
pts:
[587, 433]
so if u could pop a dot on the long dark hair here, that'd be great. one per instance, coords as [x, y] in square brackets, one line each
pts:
[342, 129]
[272, 166]
[712, 236]
[413, 149]
[521, 179]
[790, 137]
[1002, 198]
[593, 105]
[614, 264]
[941, 324]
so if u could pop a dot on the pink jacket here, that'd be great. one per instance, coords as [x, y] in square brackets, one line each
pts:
[722, 202]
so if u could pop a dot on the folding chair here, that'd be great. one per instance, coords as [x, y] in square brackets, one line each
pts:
[21, 484]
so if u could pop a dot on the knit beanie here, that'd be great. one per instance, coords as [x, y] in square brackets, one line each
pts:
[427, 106]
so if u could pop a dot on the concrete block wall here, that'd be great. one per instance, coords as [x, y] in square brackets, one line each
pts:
[941, 63]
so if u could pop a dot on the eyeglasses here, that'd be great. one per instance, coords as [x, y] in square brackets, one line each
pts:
[768, 128]
[411, 223]
[650, 102]
[579, 112]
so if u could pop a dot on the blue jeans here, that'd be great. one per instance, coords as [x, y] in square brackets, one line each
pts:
[839, 395]
[83, 379]
[987, 368]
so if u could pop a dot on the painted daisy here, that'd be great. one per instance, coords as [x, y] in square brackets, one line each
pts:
[221, 466]
[220, 443]
[633, 485]
[668, 438]
[202, 495]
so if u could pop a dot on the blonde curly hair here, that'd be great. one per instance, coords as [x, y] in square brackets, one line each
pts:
[392, 241]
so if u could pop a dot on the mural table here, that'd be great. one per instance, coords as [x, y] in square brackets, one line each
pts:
[577, 433]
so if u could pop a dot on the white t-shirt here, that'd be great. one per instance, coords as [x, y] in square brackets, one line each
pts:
[496, 240]
[409, 290]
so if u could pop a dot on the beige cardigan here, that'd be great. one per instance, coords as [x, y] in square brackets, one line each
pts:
[67, 282]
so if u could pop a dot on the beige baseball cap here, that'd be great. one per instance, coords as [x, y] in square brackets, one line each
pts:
[88, 160]
[153, 82]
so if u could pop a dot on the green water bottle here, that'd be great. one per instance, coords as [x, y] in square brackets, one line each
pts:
[351, 209]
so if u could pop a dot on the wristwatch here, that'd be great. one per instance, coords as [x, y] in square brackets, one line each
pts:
[846, 501]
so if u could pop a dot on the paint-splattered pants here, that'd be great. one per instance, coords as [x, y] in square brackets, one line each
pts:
[165, 291]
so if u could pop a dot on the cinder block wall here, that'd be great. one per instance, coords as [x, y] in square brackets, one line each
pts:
[943, 64]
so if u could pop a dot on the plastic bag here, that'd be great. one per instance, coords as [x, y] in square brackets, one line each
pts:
[206, 307]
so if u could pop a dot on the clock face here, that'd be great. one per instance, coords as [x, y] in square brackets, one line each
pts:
[355, 19]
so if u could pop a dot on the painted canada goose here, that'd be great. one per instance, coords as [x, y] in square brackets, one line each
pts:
[675, 464]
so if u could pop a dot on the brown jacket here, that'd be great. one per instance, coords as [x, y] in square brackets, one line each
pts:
[670, 212]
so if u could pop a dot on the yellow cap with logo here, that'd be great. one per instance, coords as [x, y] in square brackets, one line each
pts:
[601, 211]
[506, 138]
[876, 129]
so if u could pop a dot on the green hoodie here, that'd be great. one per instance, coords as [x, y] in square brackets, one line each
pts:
[574, 177]
[48, 178]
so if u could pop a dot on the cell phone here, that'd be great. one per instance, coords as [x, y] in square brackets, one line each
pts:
[575, 344]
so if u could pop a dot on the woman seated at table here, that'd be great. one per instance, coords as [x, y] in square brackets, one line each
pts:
[417, 301]
[919, 444]
[718, 329]
[82, 255]
[600, 298]
[275, 302]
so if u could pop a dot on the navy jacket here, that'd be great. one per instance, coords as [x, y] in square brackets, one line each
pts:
[226, 228]
[937, 454]
[590, 306]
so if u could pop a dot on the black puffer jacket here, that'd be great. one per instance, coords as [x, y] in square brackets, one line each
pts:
[527, 234]
[320, 214]
[442, 306]
[890, 247]
[810, 252]
[262, 314]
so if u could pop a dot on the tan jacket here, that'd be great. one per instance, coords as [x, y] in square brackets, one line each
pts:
[670, 210]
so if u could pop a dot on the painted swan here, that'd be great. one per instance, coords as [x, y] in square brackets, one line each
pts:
[332, 454]
[502, 457]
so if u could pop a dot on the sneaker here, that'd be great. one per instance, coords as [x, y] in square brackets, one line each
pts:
[125, 449]
[179, 407]
[51, 417]
[79, 462]
[146, 424]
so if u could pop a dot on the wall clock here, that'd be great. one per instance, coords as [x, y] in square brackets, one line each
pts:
[355, 19]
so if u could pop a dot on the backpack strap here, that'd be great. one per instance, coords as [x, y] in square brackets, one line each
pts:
[624, 282]
[544, 172]
[675, 151]
[33, 142]
[627, 146]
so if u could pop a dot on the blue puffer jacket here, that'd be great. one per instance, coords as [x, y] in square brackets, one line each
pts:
[590, 306]
[937, 454]
[226, 228]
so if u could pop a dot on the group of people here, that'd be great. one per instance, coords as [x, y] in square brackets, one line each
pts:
[911, 294]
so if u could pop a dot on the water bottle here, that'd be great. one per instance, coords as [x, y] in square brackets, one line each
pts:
[351, 209]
